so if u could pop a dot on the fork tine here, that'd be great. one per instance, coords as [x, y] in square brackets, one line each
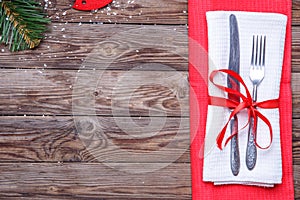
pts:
[264, 51]
[256, 53]
[253, 46]
[260, 51]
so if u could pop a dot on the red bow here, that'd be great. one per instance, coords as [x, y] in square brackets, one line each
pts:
[246, 103]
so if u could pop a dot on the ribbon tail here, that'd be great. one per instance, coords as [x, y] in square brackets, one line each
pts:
[268, 123]
[221, 135]
[219, 101]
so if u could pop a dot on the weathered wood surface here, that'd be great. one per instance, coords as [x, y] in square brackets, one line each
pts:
[93, 181]
[50, 148]
[135, 12]
[52, 92]
[124, 11]
[53, 139]
[68, 46]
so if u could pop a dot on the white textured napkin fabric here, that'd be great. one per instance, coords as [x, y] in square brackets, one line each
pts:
[268, 169]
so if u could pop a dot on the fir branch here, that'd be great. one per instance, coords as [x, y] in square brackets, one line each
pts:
[22, 24]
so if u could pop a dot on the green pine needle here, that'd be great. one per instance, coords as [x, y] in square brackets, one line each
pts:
[22, 24]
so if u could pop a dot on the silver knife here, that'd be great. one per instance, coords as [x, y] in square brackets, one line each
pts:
[234, 65]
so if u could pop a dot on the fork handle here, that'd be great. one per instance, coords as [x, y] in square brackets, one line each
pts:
[251, 151]
[254, 94]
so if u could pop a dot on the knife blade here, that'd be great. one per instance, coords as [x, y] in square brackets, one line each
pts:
[234, 65]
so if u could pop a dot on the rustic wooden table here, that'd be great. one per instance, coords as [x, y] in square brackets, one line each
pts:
[92, 113]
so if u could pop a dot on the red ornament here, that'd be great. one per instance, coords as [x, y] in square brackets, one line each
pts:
[90, 4]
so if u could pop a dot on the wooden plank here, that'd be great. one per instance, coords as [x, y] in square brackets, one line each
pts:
[134, 12]
[296, 181]
[123, 11]
[295, 49]
[25, 174]
[52, 139]
[296, 90]
[93, 181]
[112, 93]
[70, 46]
[68, 139]
[296, 13]
[296, 142]
[118, 93]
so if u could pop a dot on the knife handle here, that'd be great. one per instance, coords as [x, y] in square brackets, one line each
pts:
[234, 152]
[251, 151]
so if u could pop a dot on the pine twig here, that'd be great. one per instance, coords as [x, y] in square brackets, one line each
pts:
[22, 24]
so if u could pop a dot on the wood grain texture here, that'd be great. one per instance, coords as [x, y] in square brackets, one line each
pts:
[123, 11]
[295, 48]
[69, 46]
[295, 13]
[296, 90]
[104, 46]
[76, 139]
[112, 93]
[296, 181]
[134, 12]
[53, 139]
[118, 93]
[92, 181]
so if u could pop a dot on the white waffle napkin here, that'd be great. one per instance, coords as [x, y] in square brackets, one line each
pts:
[268, 169]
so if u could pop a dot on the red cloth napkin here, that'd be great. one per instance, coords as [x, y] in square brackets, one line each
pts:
[199, 101]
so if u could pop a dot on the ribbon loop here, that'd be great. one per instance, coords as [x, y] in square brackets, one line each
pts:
[246, 103]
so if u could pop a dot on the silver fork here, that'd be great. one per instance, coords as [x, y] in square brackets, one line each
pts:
[257, 73]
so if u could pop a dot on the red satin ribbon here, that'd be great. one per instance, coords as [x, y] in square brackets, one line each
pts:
[246, 103]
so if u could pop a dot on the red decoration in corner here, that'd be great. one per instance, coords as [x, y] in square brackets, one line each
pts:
[87, 5]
